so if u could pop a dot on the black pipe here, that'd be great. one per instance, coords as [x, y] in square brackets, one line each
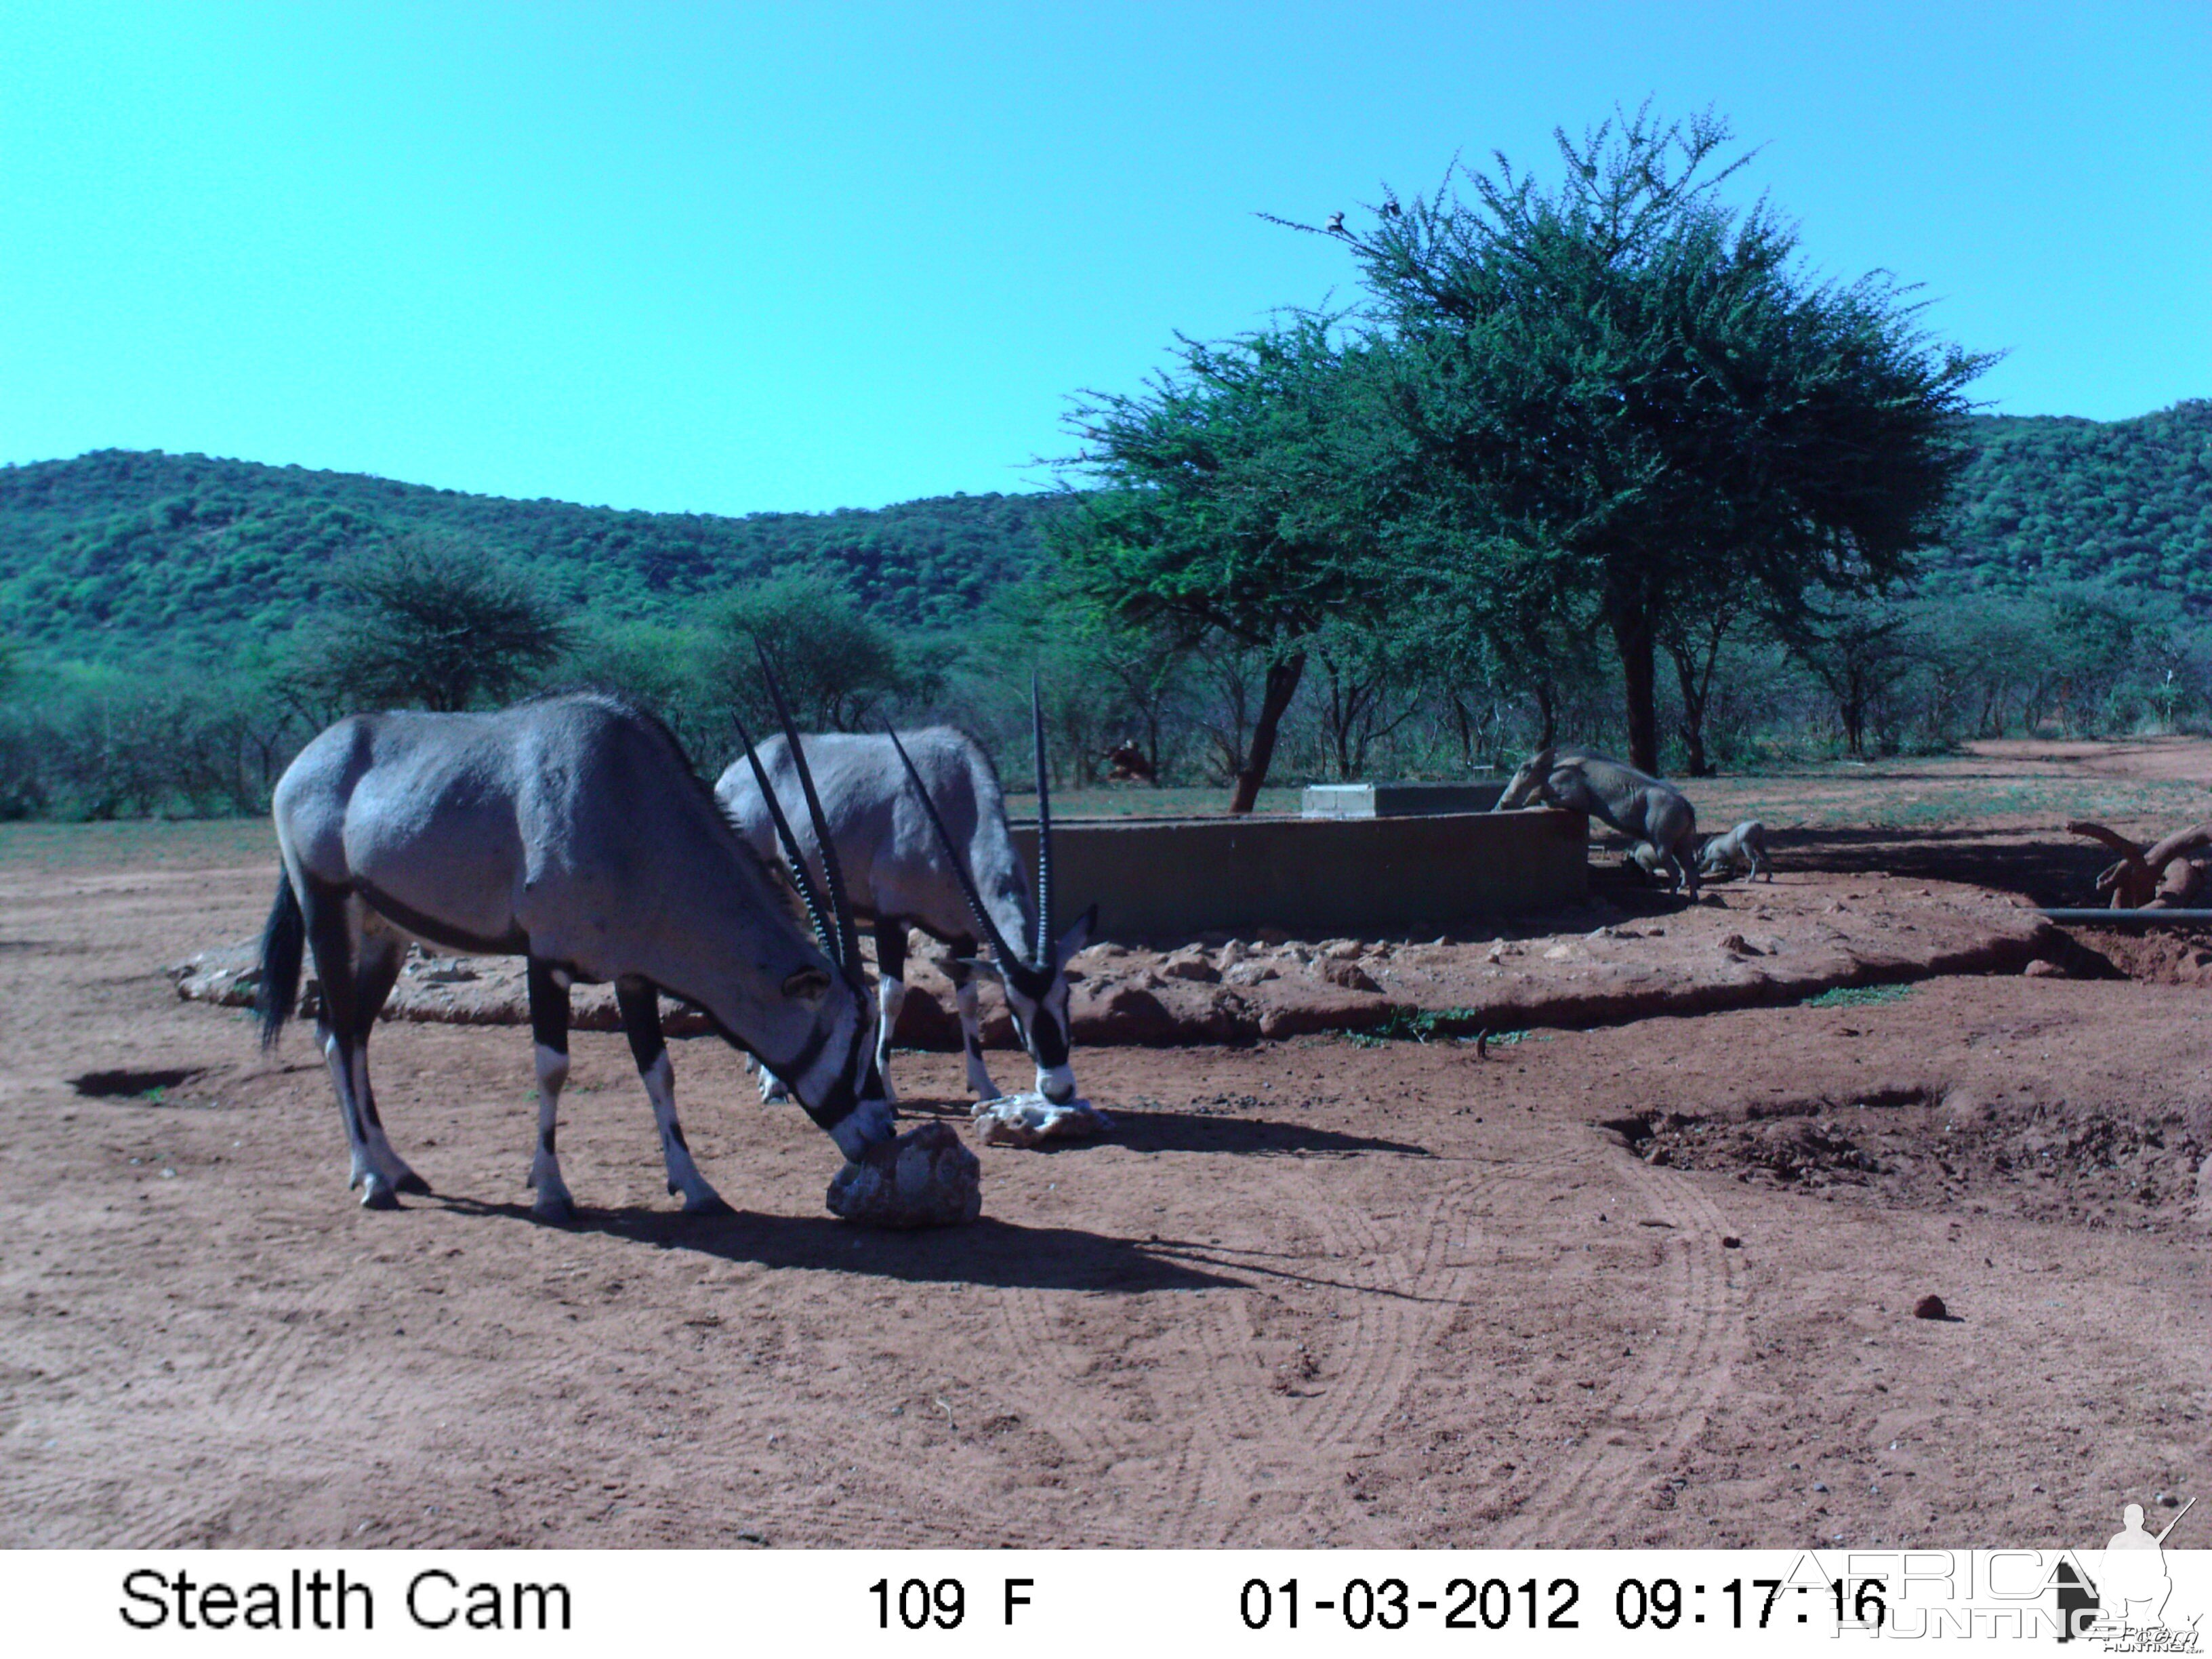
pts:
[2129, 919]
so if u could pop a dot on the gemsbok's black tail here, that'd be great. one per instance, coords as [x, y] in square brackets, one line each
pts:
[283, 943]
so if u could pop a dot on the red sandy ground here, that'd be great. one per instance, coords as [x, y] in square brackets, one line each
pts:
[1314, 1293]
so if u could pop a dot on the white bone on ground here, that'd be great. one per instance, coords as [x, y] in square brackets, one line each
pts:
[1024, 1120]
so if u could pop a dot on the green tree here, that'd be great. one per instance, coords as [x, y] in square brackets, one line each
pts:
[1230, 504]
[838, 666]
[429, 623]
[1634, 382]
[1858, 647]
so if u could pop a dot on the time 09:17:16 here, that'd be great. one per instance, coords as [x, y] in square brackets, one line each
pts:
[1660, 1603]
[1494, 1604]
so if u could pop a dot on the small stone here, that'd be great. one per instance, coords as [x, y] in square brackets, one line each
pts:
[1349, 975]
[2167, 1500]
[1190, 963]
[2040, 969]
[1730, 1242]
[1930, 1307]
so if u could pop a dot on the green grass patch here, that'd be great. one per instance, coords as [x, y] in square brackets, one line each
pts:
[1427, 1025]
[1858, 996]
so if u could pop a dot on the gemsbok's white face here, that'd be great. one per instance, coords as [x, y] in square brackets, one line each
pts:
[1038, 1003]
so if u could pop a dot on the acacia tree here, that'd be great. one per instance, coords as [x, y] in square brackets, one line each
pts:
[427, 623]
[1230, 504]
[1635, 383]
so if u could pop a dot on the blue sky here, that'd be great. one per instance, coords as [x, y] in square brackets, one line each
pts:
[733, 258]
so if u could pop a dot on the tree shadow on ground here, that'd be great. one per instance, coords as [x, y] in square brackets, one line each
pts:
[1000, 1255]
[2053, 869]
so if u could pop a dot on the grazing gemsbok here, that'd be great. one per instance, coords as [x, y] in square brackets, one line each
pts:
[919, 823]
[1642, 807]
[571, 830]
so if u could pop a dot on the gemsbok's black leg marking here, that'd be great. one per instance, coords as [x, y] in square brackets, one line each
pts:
[640, 1004]
[378, 954]
[549, 1029]
[329, 942]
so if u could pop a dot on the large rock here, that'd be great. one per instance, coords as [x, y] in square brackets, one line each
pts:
[924, 1178]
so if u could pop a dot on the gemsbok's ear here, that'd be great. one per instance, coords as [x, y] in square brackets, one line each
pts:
[1072, 942]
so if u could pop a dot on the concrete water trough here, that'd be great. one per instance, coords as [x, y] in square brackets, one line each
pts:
[1312, 878]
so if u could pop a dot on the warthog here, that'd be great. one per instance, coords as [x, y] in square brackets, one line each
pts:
[1642, 808]
[1743, 847]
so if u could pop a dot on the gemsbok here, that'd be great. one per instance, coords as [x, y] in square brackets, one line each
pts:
[919, 823]
[573, 831]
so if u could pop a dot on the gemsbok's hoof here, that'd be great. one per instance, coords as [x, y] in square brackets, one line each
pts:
[376, 1194]
[555, 1209]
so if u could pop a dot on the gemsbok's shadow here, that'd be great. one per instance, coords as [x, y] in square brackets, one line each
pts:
[988, 1252]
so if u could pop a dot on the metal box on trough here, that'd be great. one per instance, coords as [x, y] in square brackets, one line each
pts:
[1396, 801]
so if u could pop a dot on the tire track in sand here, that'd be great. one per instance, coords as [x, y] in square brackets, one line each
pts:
[1698, 1300]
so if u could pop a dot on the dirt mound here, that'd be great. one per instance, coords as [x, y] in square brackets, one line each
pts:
[2180, 955]
[1606, 962]
[2040, 1159]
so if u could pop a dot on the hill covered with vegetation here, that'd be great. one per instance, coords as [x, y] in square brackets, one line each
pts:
[119, 554]
[2050, 499]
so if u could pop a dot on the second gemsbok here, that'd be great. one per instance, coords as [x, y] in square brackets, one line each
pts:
[918, 821]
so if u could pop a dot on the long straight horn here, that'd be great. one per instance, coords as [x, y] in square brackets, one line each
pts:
[848, 941]
[1007, 955]
[1045, 935]
[800, 878]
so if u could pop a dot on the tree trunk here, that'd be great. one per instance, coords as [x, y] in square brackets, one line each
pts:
[1631, 634]
[1465, 721]
[1282, 684]
[1696, 678]
[1853, 713]
[1547, 711]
